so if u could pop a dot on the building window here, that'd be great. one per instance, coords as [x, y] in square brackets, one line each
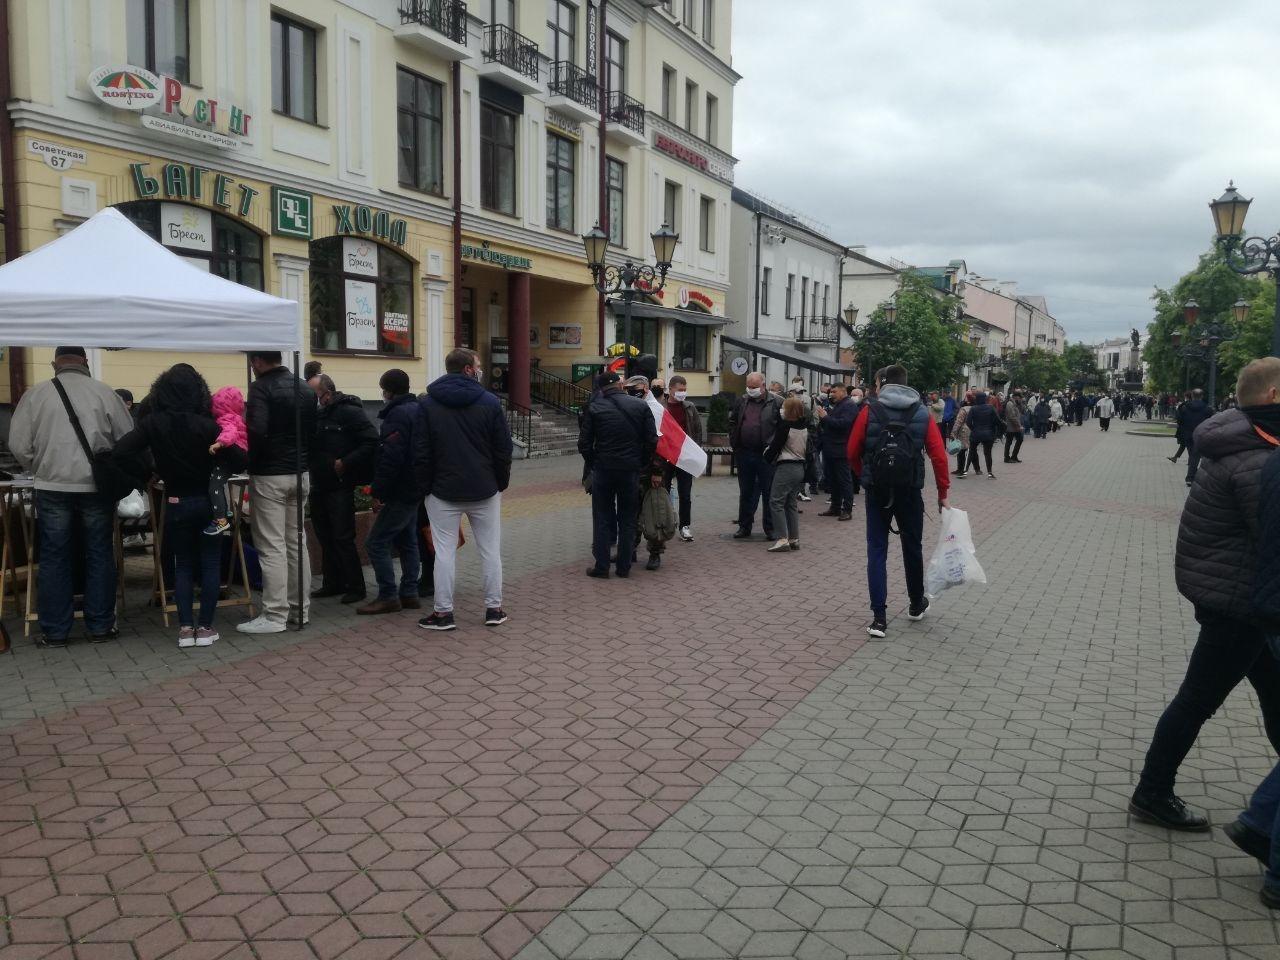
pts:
[562, 29]
[293, 68]
[159, 36]
[688, 13]
[708, 21]
[766, 280]
[691, 106]
[671, 205]
[826, 296]
[420, 112]
[206, 239]
[615, 62]
[497, 160]
[791, 285]
[503, 12]
[645, 334]
[361, 297]
[707, 224]
[804, 296]
[560, 152]
[668, 94]
[713, 118]
[691, 346]
[617, 184]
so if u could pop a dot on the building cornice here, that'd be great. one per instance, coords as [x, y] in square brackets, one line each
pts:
[681, 36]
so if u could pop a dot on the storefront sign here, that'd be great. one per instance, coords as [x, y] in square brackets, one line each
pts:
[55, 155]
[581, 371]
[688, 296]
[190, 228]
[359, 256]
[291, 215]
[182, 182]
[125, 88]
[371, 223]
[180, 111]
[680, 152]
[362, 315]
[395, 327]
[507, 261]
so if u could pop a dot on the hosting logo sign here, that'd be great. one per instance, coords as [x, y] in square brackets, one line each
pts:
[126, 88]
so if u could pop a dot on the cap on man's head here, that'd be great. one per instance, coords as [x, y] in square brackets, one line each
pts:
[638, 380]
[608, 379]
[70, 352]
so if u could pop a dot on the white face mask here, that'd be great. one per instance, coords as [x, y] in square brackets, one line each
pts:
[754, 391]
[680, 395]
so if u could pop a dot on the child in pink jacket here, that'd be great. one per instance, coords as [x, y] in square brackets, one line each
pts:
[228, 410]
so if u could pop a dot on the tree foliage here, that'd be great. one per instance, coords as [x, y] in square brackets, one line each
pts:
[1082, 365]
[1040, 370]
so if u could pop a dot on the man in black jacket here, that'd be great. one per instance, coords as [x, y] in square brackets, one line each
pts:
[342, 458]
[278, 403]
[835, 424]
[1190, 415]
[752, 423]
[468, 465]
[1215, 566]
[617, 439]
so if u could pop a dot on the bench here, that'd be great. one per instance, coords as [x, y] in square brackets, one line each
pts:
[713, 452]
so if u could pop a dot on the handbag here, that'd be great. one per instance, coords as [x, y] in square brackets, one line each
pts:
[953, 446]
[113, 483]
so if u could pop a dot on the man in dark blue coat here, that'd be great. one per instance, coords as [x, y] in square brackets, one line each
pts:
[1190, 415]
[835, 425]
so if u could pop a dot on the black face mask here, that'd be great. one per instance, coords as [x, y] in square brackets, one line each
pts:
[657, 392]
[635, 393]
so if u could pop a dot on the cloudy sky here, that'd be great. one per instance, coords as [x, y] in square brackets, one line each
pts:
[1071, 146]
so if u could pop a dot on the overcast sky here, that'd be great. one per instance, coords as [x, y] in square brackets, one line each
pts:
[1070, 146]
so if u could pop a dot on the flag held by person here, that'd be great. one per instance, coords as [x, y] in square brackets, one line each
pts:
[674, 445]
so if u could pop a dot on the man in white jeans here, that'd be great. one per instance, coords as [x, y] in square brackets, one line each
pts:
[468, 465]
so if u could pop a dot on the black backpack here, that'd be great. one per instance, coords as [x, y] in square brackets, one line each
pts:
[893, 462]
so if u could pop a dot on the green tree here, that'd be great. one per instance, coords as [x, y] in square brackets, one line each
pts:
[1082, 364]
[1039, 369]
[926, 336]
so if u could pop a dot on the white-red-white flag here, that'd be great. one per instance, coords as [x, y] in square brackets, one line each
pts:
[674, 445]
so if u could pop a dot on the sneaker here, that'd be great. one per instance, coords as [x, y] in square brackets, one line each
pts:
[112, 634]
[803, 497]
[1166, 811]
[655, 561]
[186, 637]
[878, 628]
[917, 610]
[961, 476]
[1255, 844]
[495, 616]
[206, 636]
[217, 527]
[438, 621]
[686, 534]
[991, 476]
[260, 625]
[293, 619]
[782, 546]
[53, 643]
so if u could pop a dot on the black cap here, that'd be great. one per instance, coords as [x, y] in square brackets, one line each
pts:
[608, 378]
[70, 352]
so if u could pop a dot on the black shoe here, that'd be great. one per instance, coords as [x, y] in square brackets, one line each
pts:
[1172, 459]
[326, 592]
[112, 634]
[598, 573]
[1016, 460]
[878, 627]
[495, 616]
[1166, 811]
[742, 534]
[623, 573]
[53, 643]
[438, 621]
[830, 513]
[1252, 842]
[655, 561]
[917, 610]
[846, 515]
[354, 596]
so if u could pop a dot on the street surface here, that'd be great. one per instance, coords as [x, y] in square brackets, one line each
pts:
[705, 762]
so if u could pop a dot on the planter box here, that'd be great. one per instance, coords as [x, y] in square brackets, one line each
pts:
[364, 520]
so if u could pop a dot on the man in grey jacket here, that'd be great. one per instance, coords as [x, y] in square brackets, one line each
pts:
[67, 501]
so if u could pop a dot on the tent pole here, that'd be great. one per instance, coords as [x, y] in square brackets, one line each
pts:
[297, 436]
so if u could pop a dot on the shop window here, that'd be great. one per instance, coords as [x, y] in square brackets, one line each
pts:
[361, 297]
[420, 112]
[691, 347]
[497, 160]
[617, 182]
[159, 36]
[562, 29]
[560, 152]
[208, 240]
[645, 333]
[707, 224]
[293, 68]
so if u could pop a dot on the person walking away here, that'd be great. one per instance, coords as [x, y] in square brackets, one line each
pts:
[982, 433]
[616, 439]
[468, 465]
[686, 415]
[69, 508]
[1106, 410]
[345, 447]
[1178, 434]
[961, 435]
[752, 422]
[949, 408]
[1013, 427]
[278, 402]
[1193, 413]
[835, 425]
[887, 447]
[398, 479]
[189, 447]
[1216, 562]
[228, 411]
[1077, 406]
[1040, 418]
[786, 453]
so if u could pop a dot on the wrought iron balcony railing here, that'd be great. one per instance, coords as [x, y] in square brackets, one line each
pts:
[816, 329]
[511, 49]
[570, 80]
[627, 111]
[448, 17]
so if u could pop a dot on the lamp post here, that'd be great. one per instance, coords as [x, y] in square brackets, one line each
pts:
[1246, 256]
[1205, 340]
[630, 278]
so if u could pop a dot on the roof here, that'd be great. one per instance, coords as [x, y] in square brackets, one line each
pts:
[694, 318]
[761, 206]
[788, 354]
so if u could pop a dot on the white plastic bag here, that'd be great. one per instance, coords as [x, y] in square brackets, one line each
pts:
[132, 507]
[954, 562]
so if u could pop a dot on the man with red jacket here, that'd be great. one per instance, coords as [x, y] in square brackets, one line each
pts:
[887, 447]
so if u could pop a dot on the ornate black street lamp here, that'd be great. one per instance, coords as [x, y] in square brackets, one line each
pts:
[1246, 256]
[630, 278]
[1206, 338]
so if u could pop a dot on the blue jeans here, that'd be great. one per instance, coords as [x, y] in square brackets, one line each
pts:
[194, 553]
[755, 478]
[395, 527]
[1263, 817]
[908, 511]
[615, 510]
[71, 521]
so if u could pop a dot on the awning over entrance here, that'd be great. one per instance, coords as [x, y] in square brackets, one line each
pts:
[787, 355]
[652, 311]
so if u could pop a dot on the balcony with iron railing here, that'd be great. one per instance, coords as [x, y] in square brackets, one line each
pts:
[626, 118]
[510, 58]
[436, 26]
[816, 329]
[573, 91]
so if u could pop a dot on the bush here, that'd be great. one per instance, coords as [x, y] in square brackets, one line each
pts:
[718, 414]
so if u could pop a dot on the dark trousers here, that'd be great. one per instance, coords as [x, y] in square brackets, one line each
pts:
[615, 508]
[395, 528]
[946, 429]
[684, 491]
[755, 477]
[1226, 652]
[1193, 461]
[907, 512]
[221, 510]
[196, 556]
[1012, 441]
[1181, 447]
[986, 446]
[840, 476]
[1041, 429]
[1105, 423]
[65, 520]
[333, 514]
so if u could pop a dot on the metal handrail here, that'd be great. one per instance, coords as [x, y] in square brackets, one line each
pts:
[627, 111]
[444, 16]
[519, 421]
[570, 80]
[511, 49]
[816, 329]
[556, 392]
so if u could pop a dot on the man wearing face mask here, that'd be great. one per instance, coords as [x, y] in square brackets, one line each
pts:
[684, 413]
[752, 423]
[835, 426]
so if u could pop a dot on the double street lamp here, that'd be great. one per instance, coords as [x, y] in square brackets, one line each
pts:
[1204, 339]
[1246, 256]
[629, 279]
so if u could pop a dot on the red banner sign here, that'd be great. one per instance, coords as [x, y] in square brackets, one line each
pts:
[680, 152]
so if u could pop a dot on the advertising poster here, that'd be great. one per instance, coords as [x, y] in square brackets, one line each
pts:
[395, 329]
[362, 315]
[186, 228]
[565, 336]
[359, 256]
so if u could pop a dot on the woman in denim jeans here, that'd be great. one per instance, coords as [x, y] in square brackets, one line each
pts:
[178, 428]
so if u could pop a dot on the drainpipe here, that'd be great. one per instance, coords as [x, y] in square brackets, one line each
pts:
[601, 87]
[844, 255]
[9, 195]
[457, 203]
[755, 357]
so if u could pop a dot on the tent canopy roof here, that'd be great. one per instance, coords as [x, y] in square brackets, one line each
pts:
[108, 284]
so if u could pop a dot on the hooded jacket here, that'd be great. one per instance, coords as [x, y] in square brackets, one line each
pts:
[468, 444]
[1266, 589]
[924, 431]
[400, 473]
[1190, 415]
[343, 432]
[1217, 554]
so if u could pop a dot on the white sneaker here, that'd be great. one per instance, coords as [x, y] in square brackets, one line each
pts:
[803, 497]
[186, 638]
[293, 620]
[260, 625]
[686, 534]
[205, 636]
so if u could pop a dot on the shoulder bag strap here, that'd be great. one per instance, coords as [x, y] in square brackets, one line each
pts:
[75, 421]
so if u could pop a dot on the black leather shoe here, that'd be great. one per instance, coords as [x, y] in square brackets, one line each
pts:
[355, 596]
[1250, 841]
[1166, 811]
[742, 534]
[112, 634]
[597, 573]
[655, 561]
[326, 592]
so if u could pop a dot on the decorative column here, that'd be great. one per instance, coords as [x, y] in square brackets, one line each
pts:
[432, 348]
[293, 284]
[518, 286]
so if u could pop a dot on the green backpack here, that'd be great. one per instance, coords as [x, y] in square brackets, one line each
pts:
[657, 518]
